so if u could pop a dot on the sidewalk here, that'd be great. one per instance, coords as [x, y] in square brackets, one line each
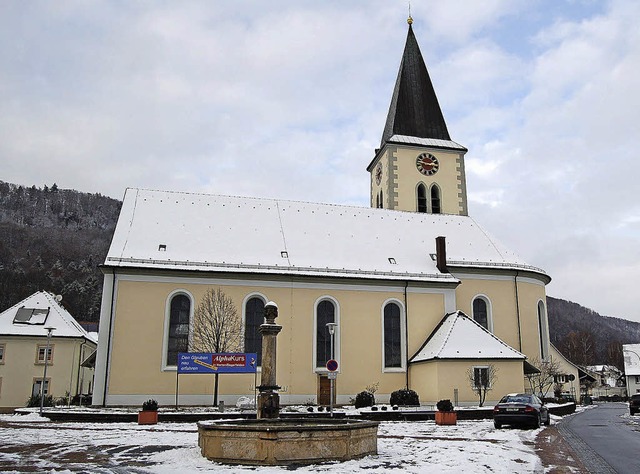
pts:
[555, 453]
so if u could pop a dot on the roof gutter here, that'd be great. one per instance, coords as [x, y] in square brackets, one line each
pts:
[108, 355]
[406, 333]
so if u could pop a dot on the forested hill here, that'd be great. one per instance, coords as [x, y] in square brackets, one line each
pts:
[586, 337]
[54, 239]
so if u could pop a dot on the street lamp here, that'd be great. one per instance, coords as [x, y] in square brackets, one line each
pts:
[331, 327]
[46, 363]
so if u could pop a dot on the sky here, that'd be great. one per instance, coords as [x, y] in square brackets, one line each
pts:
[288, 100]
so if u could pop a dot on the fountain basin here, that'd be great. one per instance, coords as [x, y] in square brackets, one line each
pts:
[287, 441]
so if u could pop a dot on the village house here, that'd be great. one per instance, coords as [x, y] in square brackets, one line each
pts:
[36, 329]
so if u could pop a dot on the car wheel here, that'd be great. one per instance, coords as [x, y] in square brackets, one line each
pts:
[536, 422]
[497, 425]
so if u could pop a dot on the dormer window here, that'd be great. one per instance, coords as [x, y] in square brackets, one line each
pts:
[31, 316]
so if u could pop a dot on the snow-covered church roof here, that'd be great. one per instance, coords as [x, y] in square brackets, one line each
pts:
[34, 314]
[172, 230]
[460, 337]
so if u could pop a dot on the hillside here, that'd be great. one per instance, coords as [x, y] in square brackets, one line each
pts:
[54, 239]
[586, 337]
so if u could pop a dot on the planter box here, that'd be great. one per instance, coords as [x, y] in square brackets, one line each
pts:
[446, 418]
[147, 417]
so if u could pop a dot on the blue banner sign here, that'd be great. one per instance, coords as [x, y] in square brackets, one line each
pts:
[208, 363]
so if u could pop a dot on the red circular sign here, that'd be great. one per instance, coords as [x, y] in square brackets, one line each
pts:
[332, 365]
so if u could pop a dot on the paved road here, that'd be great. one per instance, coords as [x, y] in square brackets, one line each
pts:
[605, 438]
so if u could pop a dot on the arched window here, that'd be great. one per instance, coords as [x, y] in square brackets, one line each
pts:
[179, 322]
[544, 331]
[481, 312]
[325, 313]
[381, 201]
[435, 199]
[377, 201]
[253, 319]
[392, 336]
[422, 198]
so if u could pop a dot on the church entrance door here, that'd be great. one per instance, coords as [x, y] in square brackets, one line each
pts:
[324, 391]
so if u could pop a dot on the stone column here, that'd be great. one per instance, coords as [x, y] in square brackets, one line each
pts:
[268, 398]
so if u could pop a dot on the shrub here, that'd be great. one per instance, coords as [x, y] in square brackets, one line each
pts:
[365, 399]
[404, 397]
[150, 405]
[444, 405]
[34, 401]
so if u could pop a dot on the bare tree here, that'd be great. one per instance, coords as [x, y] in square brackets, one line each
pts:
[579, 347]
[482, 379]
[216, 327]
[541, 382]
[614, 354]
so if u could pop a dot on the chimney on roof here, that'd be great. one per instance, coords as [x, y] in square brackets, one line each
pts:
[441, 254]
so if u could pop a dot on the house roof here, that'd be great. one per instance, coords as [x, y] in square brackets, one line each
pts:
[460, 337]
[33, 315]
[414, 109]
[170, 230]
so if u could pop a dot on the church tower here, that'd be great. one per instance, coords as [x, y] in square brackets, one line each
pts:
[418, 167]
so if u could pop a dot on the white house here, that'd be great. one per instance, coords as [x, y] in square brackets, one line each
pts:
[24, 339]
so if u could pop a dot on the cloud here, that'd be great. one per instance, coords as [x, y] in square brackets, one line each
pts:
[288, 100]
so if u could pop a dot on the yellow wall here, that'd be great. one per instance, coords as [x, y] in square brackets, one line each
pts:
[400, 179]
[502, 296]
[136, 358]
[135, 366]
[437, 380]
[20, 368]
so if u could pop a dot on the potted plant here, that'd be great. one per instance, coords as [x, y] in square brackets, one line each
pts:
[445, 414]
[149, 413]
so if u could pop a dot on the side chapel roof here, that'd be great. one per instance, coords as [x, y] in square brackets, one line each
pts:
[460, 337]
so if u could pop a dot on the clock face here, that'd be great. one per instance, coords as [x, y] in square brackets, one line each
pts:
[427, 164]
[379, 173]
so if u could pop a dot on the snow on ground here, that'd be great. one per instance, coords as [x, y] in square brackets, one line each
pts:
[31, 443]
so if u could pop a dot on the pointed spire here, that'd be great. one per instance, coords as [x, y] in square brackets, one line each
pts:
[414, 109]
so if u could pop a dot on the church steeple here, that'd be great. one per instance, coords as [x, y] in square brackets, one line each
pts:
[414, 109]
[418, 167]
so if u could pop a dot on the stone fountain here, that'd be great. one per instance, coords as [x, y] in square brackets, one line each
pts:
[270, 440]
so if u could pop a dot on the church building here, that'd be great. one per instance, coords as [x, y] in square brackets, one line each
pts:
[420, 295]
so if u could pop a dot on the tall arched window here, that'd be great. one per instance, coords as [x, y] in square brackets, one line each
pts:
[381, 201]
[325, 313]
[435, 199]
[422, 198]
[253, 319]
[392, 336]
[179, 321]
[544, 331]
[481, 312]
